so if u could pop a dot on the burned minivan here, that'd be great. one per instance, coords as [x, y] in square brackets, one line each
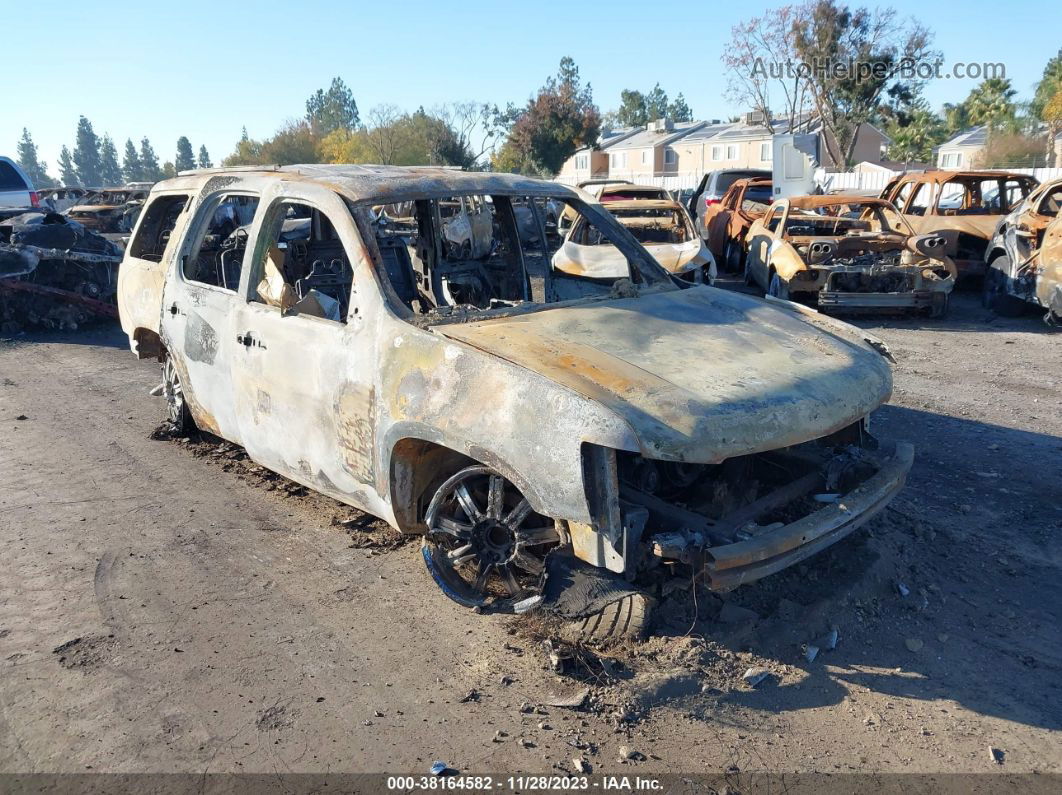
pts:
[540, 429]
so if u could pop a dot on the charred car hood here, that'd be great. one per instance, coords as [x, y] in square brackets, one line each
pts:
[700, 375]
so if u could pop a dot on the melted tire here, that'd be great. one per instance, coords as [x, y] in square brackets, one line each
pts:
[626, 619]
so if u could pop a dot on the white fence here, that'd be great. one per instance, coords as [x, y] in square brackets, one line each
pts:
[862, 181]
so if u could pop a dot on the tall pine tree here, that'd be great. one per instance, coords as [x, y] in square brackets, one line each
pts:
[132, 169]
[204, 158]
[35, 169]
[67, 172]
[185, 160]
[109, 168]
[149, 161]
[87, 155]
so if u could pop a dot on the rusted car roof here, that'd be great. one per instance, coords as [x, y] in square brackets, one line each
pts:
[833, 199]
[371, 184]
[643, 204]
[948, 176]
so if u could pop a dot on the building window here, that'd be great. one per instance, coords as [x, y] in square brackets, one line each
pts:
[717, 153]
[670, 157]
[645, 156]
[618, 160]
[731, 152]
[951, 159]
[582, 162]
[766, 153]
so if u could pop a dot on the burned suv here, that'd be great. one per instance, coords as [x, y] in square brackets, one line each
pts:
[536, 426]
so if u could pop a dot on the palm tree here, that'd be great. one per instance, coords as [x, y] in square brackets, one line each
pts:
[992, 103]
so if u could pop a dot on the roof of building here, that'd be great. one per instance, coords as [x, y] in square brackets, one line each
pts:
[646, 138]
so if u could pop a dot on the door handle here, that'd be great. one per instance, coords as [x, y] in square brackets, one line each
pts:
[173, 309]
[246, 340]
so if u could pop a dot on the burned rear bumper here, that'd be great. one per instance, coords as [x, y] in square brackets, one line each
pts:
[730, 565]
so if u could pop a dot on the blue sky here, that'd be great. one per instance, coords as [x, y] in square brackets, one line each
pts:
[205, 69]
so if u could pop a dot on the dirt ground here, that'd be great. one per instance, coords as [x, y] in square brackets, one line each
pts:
[166, 606]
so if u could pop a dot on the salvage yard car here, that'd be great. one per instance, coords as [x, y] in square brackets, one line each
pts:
[537, 427]
[1024, 258]
[663, 227]
[726, 222]
[848, 253]
[963, 207]
[109, 210]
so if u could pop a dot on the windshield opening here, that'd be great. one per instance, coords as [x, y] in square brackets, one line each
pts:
[482, 253]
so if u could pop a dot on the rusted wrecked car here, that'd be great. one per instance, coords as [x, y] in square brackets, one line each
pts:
[548, 433]
[1024, 258]
[109, 210]
[663, 227]
[963, 207]
[727, 221]
[848, 254]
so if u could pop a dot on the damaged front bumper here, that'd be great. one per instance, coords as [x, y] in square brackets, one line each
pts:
[732, 535]
[731, 565]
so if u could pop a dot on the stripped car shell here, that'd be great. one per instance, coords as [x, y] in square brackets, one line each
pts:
[662, 226]
[570, 422]
[1024, 258]
[848, 253]
[963, 207]
[108, 210]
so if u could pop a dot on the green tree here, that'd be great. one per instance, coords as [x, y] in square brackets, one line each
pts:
[185, 160]
[1048, 87]
[35, 168]
[334, 109]
[169, 171]
[110, 171]
[992, 103]
[915, 140]
[561, 118]
[632, 111]
[204, 158]
[67, 171]
[248, 152]
[828, 33]
[678, 110]
[149, 162]
[956, 117]
[132, 168]
[87, 154]
[656, 104]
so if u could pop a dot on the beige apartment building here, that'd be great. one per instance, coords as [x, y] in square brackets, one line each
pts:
[690, 149]
[963, 151]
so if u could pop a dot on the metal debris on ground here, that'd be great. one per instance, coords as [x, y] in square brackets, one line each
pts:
[753, 676]
[572, 700]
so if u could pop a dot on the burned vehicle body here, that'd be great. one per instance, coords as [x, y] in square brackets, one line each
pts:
[54, 272]
[512, 413]
[1024, 258]
[727, 221]
[963, 207]
[662, 226]
[109, 210]
[848, 253]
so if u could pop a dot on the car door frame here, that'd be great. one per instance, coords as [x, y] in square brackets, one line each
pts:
[197, 323]
[304, 388]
